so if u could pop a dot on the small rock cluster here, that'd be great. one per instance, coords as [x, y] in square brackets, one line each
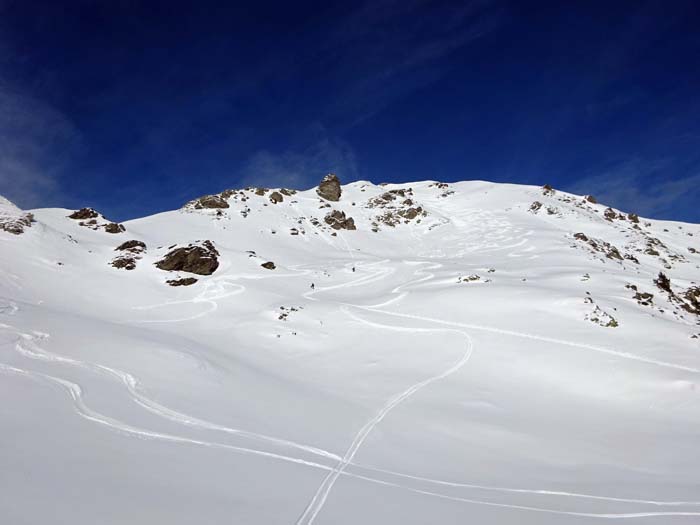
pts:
[16, 224]
[285, 312]
[92, 219]
[688, 300]
[131, 251]
[605, 248]
[338, 221]
[598, 315]
[399, 208]
[127, 261]
[209, 202]
[642, 298]
[446, 192]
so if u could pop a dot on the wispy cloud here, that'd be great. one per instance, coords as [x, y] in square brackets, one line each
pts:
[301, 168]
[34, 142]
[646, 188]
[399, 46]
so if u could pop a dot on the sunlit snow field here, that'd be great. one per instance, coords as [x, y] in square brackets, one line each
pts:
[398, 390]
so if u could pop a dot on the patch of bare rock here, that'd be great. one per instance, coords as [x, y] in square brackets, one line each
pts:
[604, 248]
[83, 214]
[688, 300]
[329, 188]
[200, 258]
[185, 281]
[131, 253]
[269, 265]
[91, 218]
[398, 207]
[548, 190]
[598, 315]
[16, 224]
[339, 221]
[446, 191]
[209, 202]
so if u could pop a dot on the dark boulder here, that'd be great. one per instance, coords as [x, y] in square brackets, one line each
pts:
[209, 202]
[535, 206]
[610, 214]
[201, 259]
[124, 262]
[131, 246]
[114, 227]
[269, 265]
[663, 283]
[84, 213]
[276, 197]
[329, 188]
[186, 281]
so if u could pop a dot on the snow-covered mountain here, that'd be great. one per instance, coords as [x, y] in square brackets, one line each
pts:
[405, 354]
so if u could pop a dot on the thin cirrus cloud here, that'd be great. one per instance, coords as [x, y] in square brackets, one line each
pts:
[35, 141]
[301, 169]
[399, 47]
[639, 187]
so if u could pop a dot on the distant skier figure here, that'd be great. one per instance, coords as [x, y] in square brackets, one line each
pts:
[353, 269]
[312, 286]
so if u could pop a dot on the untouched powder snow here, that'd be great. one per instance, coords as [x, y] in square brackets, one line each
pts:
[410, 354]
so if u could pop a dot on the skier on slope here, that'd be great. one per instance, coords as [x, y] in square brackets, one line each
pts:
[312, 286]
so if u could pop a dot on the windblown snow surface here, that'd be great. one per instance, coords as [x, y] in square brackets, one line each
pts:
[476, 363]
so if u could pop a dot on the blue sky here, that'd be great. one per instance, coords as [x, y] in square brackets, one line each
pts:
[135, 107]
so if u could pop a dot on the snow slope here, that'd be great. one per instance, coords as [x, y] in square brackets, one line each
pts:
[470, 361]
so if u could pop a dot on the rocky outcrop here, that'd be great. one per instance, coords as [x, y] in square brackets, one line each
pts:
[84, 214]
[91, 218]
[399, 207]
[276, 197]
[269, 265]
[16, 224]
[329, 188]
[208, 202]
[610, 214]
[600, 246]
[535, 207]
[201, 258]
[338, 221]
[132, 251]
[185, 281]
[132, 246]
[114, 227]
[124, 262]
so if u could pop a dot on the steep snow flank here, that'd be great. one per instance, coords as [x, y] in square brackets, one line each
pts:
[471, 352]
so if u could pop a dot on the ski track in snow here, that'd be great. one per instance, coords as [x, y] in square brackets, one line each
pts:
[321, 495]
[76, 394]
